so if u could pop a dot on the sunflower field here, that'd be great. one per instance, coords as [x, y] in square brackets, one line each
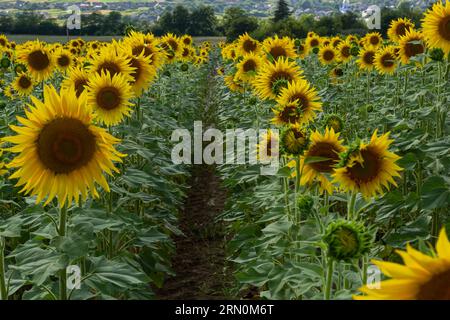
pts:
[358, 208]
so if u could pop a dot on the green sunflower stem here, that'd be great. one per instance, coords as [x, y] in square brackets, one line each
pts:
[329, 279]
[3, 289]
[351, 206]
[62, 273]
[297, 185]
[364, 265]
[434, 226]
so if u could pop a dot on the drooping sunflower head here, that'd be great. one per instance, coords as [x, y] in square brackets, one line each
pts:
[385, 60]
[398, 28]
[273, 77]
[301, 94]
[61, 154]
[248, 67]
[347, 240]
[277, 48]
[77, 78]
[247, 44]
[327, 55]
[411, 45]
[369, 168]
[321, 158]
[421, 277]
[436, 26]
[38, 60]
[294, 140]
[23, 84]
[366, 59]
[109, 97]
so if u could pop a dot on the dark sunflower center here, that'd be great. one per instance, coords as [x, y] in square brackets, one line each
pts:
[187, 41]
[387, 60]
[374, 40]
[136, 74]
[110, 66]
[173, 44]
[38, 60]
[249, 45]
[108, 98]
[444, 28]
[324, 150]
[336, 43]
[277, 52]
[328, 55]
[414, 48]
[24, 82]
[369, 57]
[65, 145]
[79, 86]
[2, 42]
[63, 61]
[185, 52]
[138, 50]
[249, 65]
[368, 170]
[303, 102]
[314, 43]
[338, 72]
[345, 51]
[401, 29]
[289, 114]
[437, 288]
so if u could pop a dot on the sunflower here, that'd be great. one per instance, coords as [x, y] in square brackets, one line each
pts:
[113, 60]
[63, 59]
[369, 167]
[385, 60]
[398, 28]
[411, 44]
[301, 94]
[344, 51]
[233, 84]
[436, 26]
[421, 277]
[187, 52]
[302, 50]
[373, 39]
[186, 40]
[171, 45]
[143, 74]
[336, 41]
[145, 43]
[10, 92]
[272, 77]
[313, 41]
[366, 58]
[326, 149]
[286, 114]
[327, 55]
[278, 48]
[294, 140]
[248, 67]
[23, 85]
[76, 78]
[61, 154]
[3, 41]
[38, 60]
[246, 44]
[109, 97]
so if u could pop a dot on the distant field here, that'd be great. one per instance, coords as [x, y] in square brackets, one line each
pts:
[50, 39]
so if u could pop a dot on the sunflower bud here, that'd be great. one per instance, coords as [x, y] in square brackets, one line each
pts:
[297, 42]
[5, 62]
[167, 74]
[436, 54]
[315, 50]
[335, 122]
[305, 203]
[354, 51]
[347, 240]
[184, 67]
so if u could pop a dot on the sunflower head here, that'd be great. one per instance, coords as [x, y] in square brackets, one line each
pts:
[398, 28]
[334, 121]
[294, 140]
[23, 84]
[347, 240]
[327, 55]
[436, 26]
[385, 60]
[411, 45]
[5, 63]
[38, 59]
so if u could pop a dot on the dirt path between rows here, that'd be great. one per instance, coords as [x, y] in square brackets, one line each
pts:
[200, 259]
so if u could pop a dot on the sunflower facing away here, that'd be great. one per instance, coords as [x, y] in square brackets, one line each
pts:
[398, 28]
[304, 96]
[436, 26]
[23, 84]
[109, 97]
[273, 77]
[369, 167]
[385, 60]
[421, 277]
[411, 44]
[61, 154]
[279, 47]
[326, 149]
[38, 60]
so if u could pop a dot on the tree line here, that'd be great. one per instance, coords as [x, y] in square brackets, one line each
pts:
[203, 21]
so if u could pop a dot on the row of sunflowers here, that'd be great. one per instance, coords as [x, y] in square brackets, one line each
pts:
[88, 186]
[364, 147]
